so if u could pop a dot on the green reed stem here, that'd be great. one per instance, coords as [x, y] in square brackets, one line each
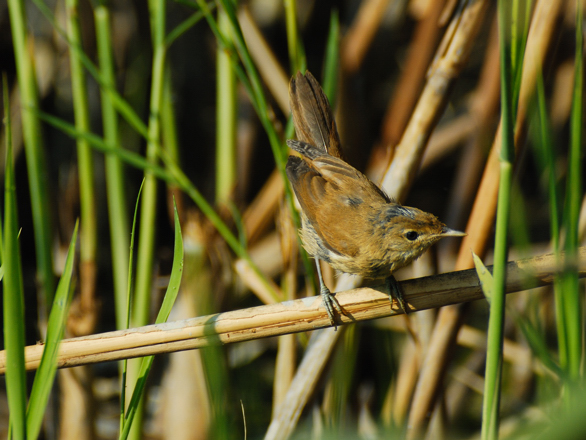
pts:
[88, 236]
[13, 293]
[226, 114]
[35, 155]
[494, 359]
[115, 181]
[571, 291]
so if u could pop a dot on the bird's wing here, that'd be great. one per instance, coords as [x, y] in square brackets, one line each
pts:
[333, 195]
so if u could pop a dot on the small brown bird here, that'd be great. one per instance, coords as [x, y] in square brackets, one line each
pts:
[347, 220]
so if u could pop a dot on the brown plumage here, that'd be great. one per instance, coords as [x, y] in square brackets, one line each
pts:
[347, 220]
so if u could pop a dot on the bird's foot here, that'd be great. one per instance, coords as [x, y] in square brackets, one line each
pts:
[395, 293]
[330, 303]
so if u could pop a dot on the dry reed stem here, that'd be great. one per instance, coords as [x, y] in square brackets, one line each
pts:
[360, 35]
[562, 94]
[447, 138]
[284, 369]
[290, 317]
[286, 361]
[456, 394]
[266, 254]
[261, 212]
[408, 88]
[403, 387]
[475, 339]
[419, 329]
[480, 223]
[287, 414]
[484, 109]
[444, 71]
[273, 75]
[258, 284]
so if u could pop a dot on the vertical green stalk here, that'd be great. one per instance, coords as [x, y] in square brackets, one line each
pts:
[225, 117]
[146, 239]
[13, 295]
[35, 156]
[292, 35]
[494, 360]
[88, 238]
[216, 370]
[115, 182]
[250, 79]
[571, 291]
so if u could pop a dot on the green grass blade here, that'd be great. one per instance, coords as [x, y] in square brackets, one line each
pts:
[485, 277]
[538, 344]
[176, 273]
[45, 375]
[184, 26]
[129, 157]
[129, 297]
[332, 60]
[168, 301]
[13, 294]
[546, 154]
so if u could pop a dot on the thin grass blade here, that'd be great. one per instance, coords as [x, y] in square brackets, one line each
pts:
[45, 375]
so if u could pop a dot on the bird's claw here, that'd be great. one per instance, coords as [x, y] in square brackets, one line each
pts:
[395, 293]
[330, 303]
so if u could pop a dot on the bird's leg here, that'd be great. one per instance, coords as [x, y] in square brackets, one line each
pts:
[395, 293]
[329, 300]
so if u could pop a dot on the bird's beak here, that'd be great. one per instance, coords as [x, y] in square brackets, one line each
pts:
[447, 232]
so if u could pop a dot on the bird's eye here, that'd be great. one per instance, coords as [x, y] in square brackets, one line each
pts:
[411, 235]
